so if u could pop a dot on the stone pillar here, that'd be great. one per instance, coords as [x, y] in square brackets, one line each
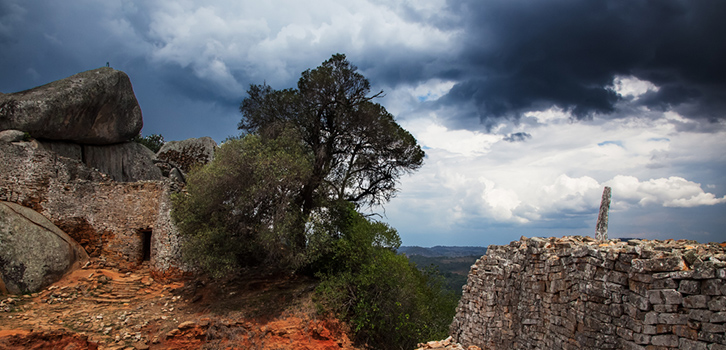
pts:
[601, 229]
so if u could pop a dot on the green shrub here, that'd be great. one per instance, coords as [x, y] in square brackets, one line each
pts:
[389, 303]
[239, 208]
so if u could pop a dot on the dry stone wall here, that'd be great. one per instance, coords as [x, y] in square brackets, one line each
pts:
[573, 293]
[107, 218]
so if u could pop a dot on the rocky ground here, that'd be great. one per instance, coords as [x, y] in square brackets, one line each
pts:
[106, 309]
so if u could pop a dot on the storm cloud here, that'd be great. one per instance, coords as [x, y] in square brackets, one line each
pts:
[519, 56]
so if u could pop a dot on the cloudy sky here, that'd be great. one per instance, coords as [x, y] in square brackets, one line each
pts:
[526, 109]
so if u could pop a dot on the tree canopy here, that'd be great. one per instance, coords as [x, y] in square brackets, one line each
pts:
[358, 150]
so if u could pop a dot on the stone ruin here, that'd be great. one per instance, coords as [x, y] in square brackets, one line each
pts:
[65, 152]
[578, 293]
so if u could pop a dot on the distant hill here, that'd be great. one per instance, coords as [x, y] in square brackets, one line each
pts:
[452, 262]
[445, 251]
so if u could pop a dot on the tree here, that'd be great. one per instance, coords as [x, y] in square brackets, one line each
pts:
[358, 150]
[152, 142]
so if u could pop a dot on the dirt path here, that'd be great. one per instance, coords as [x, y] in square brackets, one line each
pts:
[111, 310]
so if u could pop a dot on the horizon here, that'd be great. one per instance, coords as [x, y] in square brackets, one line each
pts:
[526, 110]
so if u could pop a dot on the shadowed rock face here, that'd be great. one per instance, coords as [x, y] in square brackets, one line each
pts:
[35, 253]
[95, 107]
[124, 162]
[187, 153]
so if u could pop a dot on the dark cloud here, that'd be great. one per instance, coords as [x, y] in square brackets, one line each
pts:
[518, 137]
[526, 55]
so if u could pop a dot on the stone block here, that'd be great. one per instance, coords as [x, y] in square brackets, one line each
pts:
[655, 297]
[684, 331]
[666, 283]
[713, 328]
[689, 287]
[710, 338]
[672, 297]
[651, 318]
[667, 340]
[717, 304]
[711, 286]
[674, 263]
[665, 308]
[718, 317]
[696, 301]
[640, 338]
[700, 315]
[687, 344]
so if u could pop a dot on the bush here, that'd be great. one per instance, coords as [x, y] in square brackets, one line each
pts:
[389, 303]
[239, 208]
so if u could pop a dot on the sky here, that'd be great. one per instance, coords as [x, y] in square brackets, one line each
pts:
[526, 108]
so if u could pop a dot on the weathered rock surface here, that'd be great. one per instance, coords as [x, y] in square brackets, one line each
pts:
[573, 293]
[35, 253]
[124, 162]
[187, 153]
[94, 107]
[11, 135]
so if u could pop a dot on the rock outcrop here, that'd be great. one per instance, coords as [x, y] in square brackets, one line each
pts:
[187, 153]
[34, 253]
[95, 107]
[573, 293]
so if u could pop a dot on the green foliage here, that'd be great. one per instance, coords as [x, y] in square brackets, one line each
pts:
[152, 142]
[359, 151]
[285, 195]
[388, 301]
[239, 208]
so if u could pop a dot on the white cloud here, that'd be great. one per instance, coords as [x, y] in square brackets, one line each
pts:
[630, 86]
[476, 179]
[673, 191]
[464, 143]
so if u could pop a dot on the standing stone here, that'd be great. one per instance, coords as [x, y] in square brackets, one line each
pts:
[33, 252]
[601, 230]
[93, 107]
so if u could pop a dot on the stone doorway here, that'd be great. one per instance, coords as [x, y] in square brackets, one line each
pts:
[145, 244]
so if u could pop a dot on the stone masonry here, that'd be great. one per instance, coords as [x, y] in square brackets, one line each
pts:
[573, 293]
[106, 217]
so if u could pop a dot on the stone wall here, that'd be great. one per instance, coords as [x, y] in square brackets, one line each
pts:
[572, 293]
[107, 218]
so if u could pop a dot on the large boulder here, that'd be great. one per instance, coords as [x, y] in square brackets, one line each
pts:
[95, 107]
[34, 253]
[187, 153]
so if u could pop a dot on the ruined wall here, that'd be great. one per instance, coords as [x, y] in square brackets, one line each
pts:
[106, 217]
[572, 293]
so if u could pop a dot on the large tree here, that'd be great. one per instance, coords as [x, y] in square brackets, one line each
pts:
[358, 150]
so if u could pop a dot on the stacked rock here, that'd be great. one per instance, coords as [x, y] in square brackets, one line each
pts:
[573, 293]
